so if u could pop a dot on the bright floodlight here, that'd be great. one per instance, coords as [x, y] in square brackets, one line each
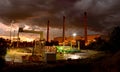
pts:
[74, 34]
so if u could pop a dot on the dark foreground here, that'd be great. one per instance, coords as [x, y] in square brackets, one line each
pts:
[101, 63]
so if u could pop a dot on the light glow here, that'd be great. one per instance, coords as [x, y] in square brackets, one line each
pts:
[74, 34]
[27, 39]
[74, 57]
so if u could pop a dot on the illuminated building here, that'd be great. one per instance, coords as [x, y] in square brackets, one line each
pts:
[72, 39]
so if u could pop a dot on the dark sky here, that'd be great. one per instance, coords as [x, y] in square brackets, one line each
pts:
[102, 14]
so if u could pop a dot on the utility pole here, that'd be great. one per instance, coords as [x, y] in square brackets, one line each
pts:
[18, 38]
[11, 31]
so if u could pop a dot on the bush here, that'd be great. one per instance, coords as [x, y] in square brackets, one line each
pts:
[3, 47]
[3, 50]
[2, 63]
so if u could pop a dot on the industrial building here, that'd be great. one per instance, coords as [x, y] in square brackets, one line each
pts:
[90, 38]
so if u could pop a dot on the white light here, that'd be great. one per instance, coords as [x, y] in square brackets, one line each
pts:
[74, 34]
[74, 56]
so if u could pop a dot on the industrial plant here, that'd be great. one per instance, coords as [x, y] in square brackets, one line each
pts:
[59, 35]
[46, 50]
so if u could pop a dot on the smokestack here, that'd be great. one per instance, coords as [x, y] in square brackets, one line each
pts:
[63, 28]
[48, 31]
[85, 26]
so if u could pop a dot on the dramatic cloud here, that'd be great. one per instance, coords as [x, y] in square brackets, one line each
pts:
[102, 14]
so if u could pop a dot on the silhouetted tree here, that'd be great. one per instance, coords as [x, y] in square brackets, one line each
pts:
[3, 50]
[3, 47]
[98, 44]
[114, 40]
[2, 63]
[55, 42]
[47, 43]
[51, 43]
[112, 45]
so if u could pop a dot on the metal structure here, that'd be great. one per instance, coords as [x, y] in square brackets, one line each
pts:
[31, 31]
[38, 45]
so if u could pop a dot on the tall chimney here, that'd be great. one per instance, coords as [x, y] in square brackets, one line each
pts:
[48, 31]
[85, 26]
[63, 28]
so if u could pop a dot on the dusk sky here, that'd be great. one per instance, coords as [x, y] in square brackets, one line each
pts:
[34, 14]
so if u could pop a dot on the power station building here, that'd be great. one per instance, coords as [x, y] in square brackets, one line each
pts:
[90, 38]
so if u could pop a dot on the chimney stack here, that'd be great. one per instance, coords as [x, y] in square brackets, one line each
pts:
[48, 31]
[85, 26]
[63, 28]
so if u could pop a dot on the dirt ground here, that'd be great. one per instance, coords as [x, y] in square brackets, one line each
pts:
[100, 63]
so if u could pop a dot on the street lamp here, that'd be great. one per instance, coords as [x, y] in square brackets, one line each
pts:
[74, 34]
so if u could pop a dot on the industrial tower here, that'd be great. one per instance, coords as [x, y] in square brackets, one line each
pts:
[85, 27]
